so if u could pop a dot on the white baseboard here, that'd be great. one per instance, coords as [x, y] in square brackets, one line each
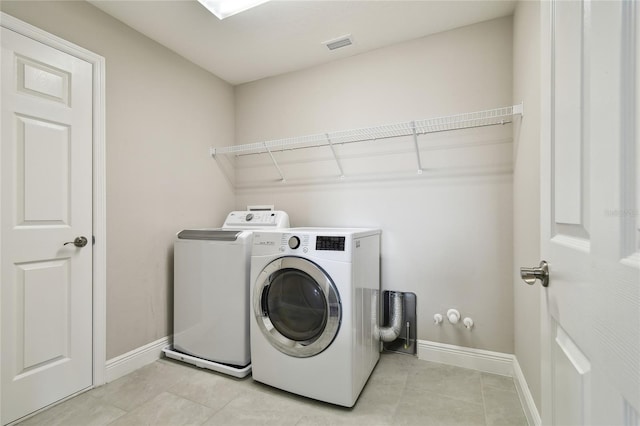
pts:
[137, 358]
[528, 404]
[486, 361]
[474, 359]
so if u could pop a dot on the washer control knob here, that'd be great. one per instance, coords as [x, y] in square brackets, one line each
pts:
[249, 217]
[294, 242]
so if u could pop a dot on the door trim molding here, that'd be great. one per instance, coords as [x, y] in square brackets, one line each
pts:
[99, 180]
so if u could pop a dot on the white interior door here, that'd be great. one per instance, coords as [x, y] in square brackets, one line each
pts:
[46, 191]
[590, 217]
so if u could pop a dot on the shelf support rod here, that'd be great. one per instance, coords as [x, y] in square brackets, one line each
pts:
[415, 143]
[275, 163]
[335, 156]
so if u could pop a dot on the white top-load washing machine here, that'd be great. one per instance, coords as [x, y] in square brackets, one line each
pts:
[211, 292]
[314, 321]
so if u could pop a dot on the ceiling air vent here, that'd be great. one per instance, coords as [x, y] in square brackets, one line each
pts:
[337, 43]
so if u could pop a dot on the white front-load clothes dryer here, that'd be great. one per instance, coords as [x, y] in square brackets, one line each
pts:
[211, 292]
[313, 330]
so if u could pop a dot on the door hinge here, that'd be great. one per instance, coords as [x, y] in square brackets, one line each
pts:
[93, 240]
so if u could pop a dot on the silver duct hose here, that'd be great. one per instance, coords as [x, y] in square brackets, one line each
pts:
[392, 331]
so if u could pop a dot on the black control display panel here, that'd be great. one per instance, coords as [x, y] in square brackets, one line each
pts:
[330, 243]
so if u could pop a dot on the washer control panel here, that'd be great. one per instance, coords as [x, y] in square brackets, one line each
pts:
[267, 219]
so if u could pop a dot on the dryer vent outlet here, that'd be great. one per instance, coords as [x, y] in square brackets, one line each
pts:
[405, 342]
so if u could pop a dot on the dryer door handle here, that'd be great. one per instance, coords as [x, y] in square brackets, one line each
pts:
[263, 301]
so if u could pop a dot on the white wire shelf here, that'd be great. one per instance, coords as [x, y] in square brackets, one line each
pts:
[492, 117]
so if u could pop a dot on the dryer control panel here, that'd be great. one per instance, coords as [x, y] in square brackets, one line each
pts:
[337, 244]
[295, 242]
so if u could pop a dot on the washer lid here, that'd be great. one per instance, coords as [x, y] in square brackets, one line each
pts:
[208, 234]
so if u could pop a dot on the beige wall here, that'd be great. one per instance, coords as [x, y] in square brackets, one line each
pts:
[526, 187]
[454, 246]
[446, 238]
[163, 113]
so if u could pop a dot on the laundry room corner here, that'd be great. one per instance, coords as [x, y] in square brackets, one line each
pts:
[447, 233]
[526, 238]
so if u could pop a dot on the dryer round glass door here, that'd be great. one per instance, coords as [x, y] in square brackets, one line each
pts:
[297, 306]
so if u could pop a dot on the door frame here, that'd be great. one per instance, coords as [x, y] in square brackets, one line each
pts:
[99, 286]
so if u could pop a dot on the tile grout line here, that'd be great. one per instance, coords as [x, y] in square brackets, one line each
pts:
[199, 403]
[511, 392]
[484, 402]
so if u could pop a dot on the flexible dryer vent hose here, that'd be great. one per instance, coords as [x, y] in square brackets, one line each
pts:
[392, 331]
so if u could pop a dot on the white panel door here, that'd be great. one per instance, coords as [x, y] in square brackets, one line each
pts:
[590, 217]
[46, 191]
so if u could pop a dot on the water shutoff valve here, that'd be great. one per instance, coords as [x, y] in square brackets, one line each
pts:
[453, 315]
[437, 319]
[468, 322]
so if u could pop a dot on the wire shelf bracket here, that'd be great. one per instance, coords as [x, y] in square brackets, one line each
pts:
[335, 156]
[491, 117]
[415, 143]
[275, 163]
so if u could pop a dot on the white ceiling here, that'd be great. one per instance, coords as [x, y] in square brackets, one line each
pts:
[286, 35]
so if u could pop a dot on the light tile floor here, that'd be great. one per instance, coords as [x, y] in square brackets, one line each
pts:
[401, 391]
